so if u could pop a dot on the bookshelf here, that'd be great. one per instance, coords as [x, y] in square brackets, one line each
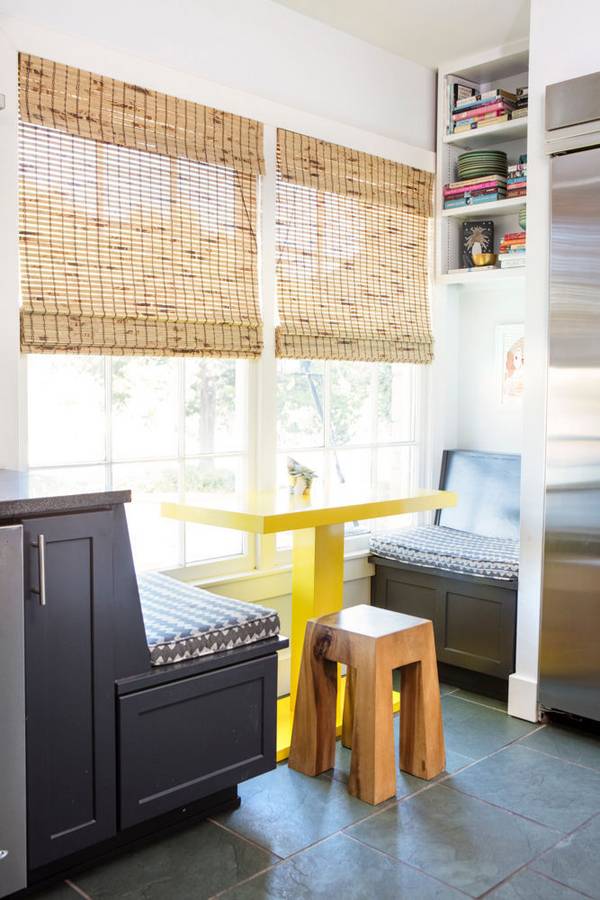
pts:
[490, 136]
[486, 210]
[506, 68]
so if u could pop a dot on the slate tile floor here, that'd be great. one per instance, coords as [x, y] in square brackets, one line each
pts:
[515, 817]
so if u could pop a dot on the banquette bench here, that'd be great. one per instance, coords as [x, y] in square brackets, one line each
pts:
[147, 700]
[462, 572]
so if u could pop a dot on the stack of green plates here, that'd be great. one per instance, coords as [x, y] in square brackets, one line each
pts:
[523, 218]
[481, 162]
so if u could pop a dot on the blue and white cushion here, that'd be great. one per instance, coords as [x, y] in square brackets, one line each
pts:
[437, 547]
[183, 622]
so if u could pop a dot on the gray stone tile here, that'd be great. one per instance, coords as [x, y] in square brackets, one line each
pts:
[285, 811]
[502, 705]
[405, 784]
[528, 885]
[575, 861]
[574, 746]
[460, 840]
[550, 791]
[195, 862]
[341, 867]
[475, 731]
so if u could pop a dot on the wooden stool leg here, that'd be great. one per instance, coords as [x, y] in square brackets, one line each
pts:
[349, 699]
[421, 729]
[373, 770]
[312, 750]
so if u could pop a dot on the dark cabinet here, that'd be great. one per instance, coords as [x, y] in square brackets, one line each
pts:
[71, 781]
[474, 619]
[181, 741]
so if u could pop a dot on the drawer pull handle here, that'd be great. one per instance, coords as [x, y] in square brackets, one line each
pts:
[41, 549]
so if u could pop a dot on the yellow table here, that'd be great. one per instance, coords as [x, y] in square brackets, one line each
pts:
[318, 552]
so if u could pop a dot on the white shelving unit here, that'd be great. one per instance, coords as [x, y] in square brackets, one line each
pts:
[500, 68]
[490, 136]
[486, 210]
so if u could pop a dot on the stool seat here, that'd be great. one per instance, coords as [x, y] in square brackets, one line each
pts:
[372, 642]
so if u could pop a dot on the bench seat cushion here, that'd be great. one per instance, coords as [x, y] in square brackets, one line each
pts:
[437, 547]
[183, 622]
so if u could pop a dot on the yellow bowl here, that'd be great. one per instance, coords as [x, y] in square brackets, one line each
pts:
[485, 259]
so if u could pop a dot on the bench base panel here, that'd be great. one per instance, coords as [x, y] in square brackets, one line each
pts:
[474, 619]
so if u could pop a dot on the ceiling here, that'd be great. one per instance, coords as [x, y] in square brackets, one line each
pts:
[429, 32]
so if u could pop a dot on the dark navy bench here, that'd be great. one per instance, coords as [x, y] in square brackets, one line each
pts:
[462, 572]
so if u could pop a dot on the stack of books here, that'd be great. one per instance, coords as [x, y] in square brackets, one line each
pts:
[480, 110]
[482, 189]
[520, 110]
[512, 250]
[517, 178]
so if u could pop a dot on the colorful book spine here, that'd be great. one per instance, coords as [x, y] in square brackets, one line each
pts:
[471, 188]
[485, 97]
[473, 201]
[481, 123]
[498, 179]
[500, 107]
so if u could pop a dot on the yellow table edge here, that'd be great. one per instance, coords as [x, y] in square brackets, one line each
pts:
[311, 517]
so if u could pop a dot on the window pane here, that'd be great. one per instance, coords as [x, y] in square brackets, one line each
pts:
[68, 480]
[65, 409]
[300, 404]
[350, 403]
[214, 405]
[212, 476]
[350, 469]
[395, 403]
[154, 539]
[144, 405]
[395, 468]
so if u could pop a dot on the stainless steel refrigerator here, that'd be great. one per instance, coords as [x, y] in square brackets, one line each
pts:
[570, 644]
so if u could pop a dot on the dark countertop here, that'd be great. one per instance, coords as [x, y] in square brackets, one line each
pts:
[24, 494]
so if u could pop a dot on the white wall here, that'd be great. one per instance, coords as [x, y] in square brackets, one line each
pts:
[564, 44]
[482, 422]
[262, 48]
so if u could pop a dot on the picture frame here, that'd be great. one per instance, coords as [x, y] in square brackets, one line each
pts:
[510, 363]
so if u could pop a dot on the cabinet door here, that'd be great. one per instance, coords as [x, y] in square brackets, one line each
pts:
[71, 792]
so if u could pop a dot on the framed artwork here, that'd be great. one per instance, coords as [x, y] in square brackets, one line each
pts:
[510, 363]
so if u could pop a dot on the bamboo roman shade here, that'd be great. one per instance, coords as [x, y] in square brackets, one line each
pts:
[137, 219]
[353, 236]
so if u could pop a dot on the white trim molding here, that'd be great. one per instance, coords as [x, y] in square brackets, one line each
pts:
[522, 698]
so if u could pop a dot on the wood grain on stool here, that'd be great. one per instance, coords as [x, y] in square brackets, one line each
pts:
[371, 642]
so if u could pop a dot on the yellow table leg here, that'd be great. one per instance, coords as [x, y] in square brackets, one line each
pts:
[317, 589]
[317, 584]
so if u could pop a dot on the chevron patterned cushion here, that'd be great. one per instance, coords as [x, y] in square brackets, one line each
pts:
[438, 547]
[183, 622]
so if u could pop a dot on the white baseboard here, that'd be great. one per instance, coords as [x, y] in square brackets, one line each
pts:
[523, 698]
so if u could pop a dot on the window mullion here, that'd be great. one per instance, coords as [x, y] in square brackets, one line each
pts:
[108, 420]
[263, 433]
[181, 454]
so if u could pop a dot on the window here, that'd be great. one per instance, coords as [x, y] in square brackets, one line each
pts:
[166, 428]
[354, 424]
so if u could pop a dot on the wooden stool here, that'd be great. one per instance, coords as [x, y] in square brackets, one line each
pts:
[372, 642]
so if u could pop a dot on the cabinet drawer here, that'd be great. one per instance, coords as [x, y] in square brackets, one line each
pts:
[182, 741]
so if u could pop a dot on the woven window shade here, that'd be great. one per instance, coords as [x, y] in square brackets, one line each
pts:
[353, 244]
[137, 220]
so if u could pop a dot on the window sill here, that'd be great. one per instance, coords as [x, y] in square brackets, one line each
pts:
[260, 585]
